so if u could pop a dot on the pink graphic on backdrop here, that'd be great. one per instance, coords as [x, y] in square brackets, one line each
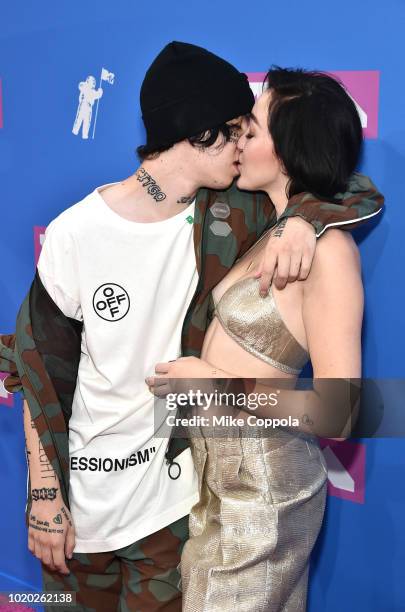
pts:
[39, 235]
[256, 82]
[6, 399]
[346, 463]
[364, 88]
[6, 606]
[1, 106]
[362, 85]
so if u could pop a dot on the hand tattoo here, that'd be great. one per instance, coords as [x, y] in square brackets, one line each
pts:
[42, 525]
[278, 232]
[150, 183]
[43, 494]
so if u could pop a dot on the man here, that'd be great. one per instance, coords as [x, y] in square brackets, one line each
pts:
[123, 282]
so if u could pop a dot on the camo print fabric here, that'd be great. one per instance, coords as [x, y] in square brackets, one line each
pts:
[250, 215]
[7, 363]
[42, 358]
[46, 356]
[137, 578]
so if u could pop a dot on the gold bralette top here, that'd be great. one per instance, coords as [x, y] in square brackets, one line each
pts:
[255, 324]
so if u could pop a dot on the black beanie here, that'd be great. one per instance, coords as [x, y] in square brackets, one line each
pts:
[188, 90]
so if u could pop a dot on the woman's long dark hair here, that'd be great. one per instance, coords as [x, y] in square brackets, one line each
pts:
[316, 130]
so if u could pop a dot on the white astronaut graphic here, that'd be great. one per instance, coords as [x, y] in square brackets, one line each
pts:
[88, 95]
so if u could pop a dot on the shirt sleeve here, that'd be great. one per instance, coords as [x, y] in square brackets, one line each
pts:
[58, 270]
[358, 204]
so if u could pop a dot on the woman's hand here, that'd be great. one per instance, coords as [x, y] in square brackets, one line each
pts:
[185, 368]
[51, 534]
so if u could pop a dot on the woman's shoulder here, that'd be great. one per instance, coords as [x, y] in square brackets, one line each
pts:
[336, 261]
[336, 247]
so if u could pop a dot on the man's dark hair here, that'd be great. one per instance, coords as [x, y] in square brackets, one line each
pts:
[316, 130]
[204, 140]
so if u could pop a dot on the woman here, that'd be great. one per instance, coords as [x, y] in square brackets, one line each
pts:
[263, 497]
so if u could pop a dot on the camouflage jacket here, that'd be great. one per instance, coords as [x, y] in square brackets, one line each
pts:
[43, 355]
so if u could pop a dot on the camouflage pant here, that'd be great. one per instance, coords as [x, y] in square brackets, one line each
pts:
[141, 577]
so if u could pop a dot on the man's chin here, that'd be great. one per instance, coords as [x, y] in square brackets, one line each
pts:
[224, 184]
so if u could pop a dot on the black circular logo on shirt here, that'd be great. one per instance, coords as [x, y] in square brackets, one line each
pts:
[111, 302]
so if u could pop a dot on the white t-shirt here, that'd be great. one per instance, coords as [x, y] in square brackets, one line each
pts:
[131, 284]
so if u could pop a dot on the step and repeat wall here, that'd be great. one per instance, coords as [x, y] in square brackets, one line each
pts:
[70, 120]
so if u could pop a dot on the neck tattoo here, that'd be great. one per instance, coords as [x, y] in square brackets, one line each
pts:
[185, 200]
[150, 184]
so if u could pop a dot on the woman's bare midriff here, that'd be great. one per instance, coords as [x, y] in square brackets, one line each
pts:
[220, 350]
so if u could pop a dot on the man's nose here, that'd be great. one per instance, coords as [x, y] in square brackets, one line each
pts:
[241, 142]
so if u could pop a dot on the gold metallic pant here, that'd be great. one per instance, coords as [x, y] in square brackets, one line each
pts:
[262, 501]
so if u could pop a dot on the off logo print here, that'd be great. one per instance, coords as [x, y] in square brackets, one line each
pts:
[111, 302]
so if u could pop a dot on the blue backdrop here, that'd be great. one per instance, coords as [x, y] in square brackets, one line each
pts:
[46, 50]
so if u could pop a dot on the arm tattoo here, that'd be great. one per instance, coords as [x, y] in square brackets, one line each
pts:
[44, 494]
[278, 232]
[27, 454]
[47, 470]
[150, 183]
